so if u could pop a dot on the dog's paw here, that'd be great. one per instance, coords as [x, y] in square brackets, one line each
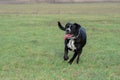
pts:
[70, 62]
[77, 62]
[66, 58]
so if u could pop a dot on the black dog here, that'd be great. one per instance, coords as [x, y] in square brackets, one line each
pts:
[75, 40]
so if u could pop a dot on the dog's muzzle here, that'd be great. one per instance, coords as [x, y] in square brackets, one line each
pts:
[68, 31]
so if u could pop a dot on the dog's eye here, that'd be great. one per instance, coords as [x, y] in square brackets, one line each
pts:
[67, 26]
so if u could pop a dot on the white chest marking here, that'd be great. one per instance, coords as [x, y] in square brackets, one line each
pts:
[71, 45]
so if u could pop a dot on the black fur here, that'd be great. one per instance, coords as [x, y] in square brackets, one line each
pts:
[80, 40]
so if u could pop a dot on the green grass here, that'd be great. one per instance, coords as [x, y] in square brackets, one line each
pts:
[31, 44]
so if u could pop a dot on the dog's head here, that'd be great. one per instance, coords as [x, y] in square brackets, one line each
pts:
[70, 28]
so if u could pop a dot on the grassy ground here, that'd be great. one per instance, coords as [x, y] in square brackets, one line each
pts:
[31, 45]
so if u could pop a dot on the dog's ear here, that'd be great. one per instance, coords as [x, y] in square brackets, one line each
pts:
[77, 25]
[60, 26]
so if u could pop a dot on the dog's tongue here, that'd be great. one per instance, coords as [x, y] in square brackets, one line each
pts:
[67, 36]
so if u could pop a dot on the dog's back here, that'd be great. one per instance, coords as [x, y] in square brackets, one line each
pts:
[83, 35]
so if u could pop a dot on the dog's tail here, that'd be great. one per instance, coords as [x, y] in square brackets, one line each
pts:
[60, 26]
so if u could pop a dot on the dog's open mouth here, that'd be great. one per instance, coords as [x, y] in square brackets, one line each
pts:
[67, 36]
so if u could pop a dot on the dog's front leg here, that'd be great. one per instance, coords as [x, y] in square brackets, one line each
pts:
[72, 59]
[66, 53]
[66, 50]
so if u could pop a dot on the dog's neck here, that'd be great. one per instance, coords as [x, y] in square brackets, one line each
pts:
[77, 34]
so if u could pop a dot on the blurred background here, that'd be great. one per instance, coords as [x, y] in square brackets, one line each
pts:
[52, 1]
[31, 44]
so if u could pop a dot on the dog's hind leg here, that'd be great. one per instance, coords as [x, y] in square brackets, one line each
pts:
[72, 59]
[78, 57]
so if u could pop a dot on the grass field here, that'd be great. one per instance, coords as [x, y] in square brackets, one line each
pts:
[31, 45]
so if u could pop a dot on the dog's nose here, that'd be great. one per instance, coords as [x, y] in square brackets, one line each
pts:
[68, 30]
